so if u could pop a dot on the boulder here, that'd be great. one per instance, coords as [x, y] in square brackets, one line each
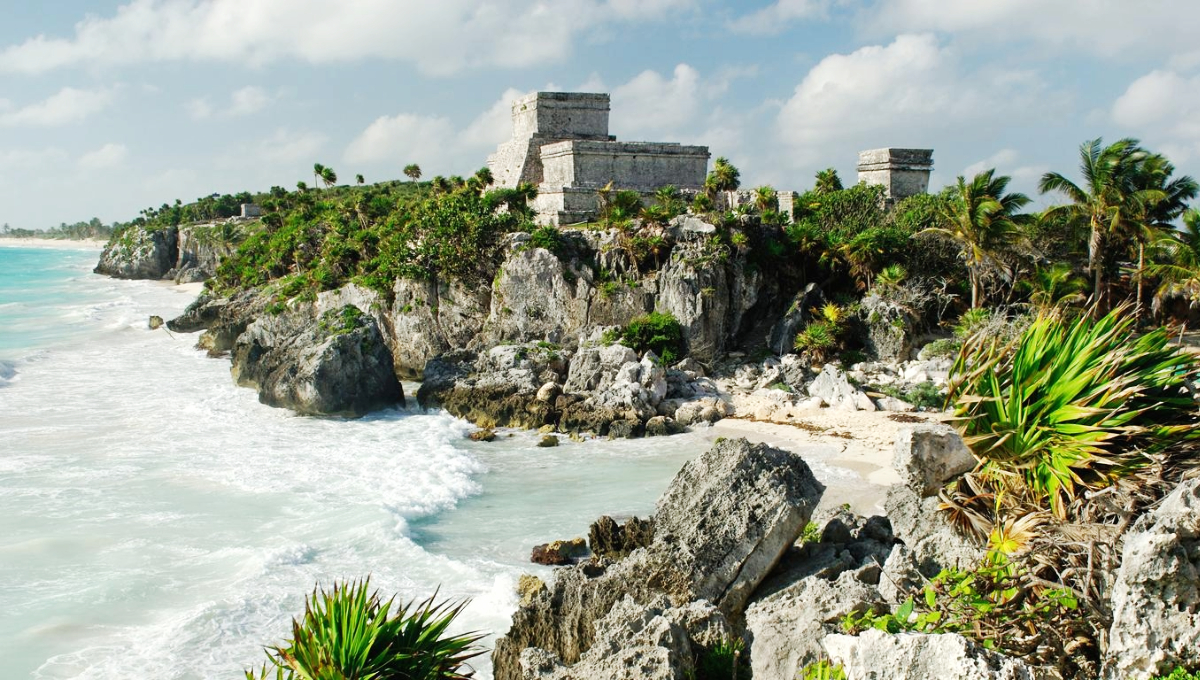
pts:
[720, 527]
[155, 323]
[595, 368]
[832, 386]
[888, 329]
[929, 455]
[322, 358]
[885, 656]
[662, 426]
[548, 441]
[1156, 595]
[934, 542]
[557, 553]
[703, 410]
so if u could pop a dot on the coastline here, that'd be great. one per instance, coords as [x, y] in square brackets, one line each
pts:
[53, 243]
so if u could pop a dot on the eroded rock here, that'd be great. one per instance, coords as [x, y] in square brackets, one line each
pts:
[885, 656]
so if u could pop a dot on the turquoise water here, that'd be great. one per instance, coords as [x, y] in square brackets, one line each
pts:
[159, 522]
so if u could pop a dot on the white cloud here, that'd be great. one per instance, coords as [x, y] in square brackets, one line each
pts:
[68, 105]
[108, 156]
[651, 103]
[23, 160]
[901, 94]
[1114, 28]
[243, 102]
[290, 147]
[775, 18]
[403, 138]
[432, 35]
[1163, 108]
[1007, 162]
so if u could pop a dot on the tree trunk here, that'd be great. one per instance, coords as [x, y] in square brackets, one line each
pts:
[1096, 263]
[1137, 310]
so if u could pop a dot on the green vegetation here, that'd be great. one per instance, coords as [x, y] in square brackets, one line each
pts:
[348, 633]
[823, 670]
[824, 335]
[658, 332]
[1179, 674]
[341, 321]
[811, 533]
[722, 660]
[1073, 405]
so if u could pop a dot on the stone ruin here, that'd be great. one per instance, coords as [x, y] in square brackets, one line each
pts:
[561, 145]
[901, 172]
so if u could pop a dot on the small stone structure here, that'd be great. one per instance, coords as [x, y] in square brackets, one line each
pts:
[902, 172]
[251, 210]
[561, 144]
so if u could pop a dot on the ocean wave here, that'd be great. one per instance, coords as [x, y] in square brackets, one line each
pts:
[8, 372]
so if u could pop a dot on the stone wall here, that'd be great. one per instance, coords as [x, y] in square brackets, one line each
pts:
[902, 172]
[643, 166]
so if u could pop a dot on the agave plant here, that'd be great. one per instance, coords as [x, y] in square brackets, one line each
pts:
[348, 633]
[1073, 405]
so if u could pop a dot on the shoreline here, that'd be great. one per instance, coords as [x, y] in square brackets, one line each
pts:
[53, 243]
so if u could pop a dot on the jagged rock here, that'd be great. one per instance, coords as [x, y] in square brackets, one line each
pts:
[596, 368]
[885, 656]
[833, 386]
[557, 553]
[888, 328]
[934, 542]
[1156, 594]
[690, 365]
[140, 253]
[429, 318]
[155, 322]
[533, 300]
[720, 527]
[549, 392]
[795, 370]
[548, 441]
[609, 539]
[497, 388]
[322, 358]
[900, 576]
[786, 628]
[703, 410]
[783, 333]
[929, 455]
[889, 403]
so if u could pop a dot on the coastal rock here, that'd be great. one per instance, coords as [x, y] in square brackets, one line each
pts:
[533, 300]
[609, 539]
[1156, 595]
[832, 386]
[548, 441]
[557, 553]
[202, 247]
[429, 318]
[140, 253]
[596, 368]
[497, 388]
[720, 527]
[703, 410]
[662, 426]
[322, 358]
[934, 542]
[888, 329]
[929, 455]
[885, 656]
[155, 323]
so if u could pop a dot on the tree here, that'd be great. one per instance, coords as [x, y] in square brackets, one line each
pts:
[484, 175]
[359, 179]
[1113, 201]
[328, 177]
[983, 221]
[827, 182]
[724, 177]
[413, 171]
[766, 198]
[1180, 274]
[318, 173]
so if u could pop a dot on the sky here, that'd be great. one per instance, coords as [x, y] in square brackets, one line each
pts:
[109, 107]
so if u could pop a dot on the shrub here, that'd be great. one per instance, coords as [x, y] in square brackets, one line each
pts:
[656, 332]
[548, 238]
[823, 670]
[341, 321]
[348, 633]
[1071, 405]
[722, 660]
[942, 348]
[1179, 674]
[823, 336]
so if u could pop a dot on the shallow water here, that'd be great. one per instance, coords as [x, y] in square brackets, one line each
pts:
[160, 522]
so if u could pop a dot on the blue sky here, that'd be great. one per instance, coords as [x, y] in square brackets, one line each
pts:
[109, 107]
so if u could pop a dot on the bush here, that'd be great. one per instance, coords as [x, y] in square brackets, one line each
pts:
[722, 660]
[548, 238]
[1071, 405]
[347, 633]
[656, 332]
[823, 336]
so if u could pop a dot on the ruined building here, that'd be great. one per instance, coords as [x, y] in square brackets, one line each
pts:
[561, 144]
[902, 172]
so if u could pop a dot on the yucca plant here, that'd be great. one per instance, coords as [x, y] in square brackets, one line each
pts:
[1072, 405]
[348, 633]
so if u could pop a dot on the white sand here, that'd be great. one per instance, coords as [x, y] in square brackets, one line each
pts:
[860, 441]
[56, 243]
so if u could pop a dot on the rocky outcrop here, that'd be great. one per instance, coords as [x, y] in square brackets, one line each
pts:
[322, 358]
[1156, 595]
[498, 388]
[558, 553]
[783, 333]
[885, 656]
[140, 253]
[927, 456]
[202, 247]
[609, 539]
[430, 318]
[934, 542]
[832, 386]
[720, 528]
[888, 329]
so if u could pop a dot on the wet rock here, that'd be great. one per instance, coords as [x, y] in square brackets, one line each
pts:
[483, 435]
[557, 553]
[140, 253]
[155, 323]
[1156, 594]
[661, 426]
[548, 441]
[927, 456]
[886, 656]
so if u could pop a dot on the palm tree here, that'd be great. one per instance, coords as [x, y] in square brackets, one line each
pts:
[724, 177]
[1155, 175]
[983, 220]
[827, 182]
[318, 173]
[484, 175]
[360, 180]
[328, 177]
[1113, 202]
[766, 198]
[1181, 273]
[413, 171]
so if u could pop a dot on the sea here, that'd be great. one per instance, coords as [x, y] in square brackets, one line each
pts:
[156, 521]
